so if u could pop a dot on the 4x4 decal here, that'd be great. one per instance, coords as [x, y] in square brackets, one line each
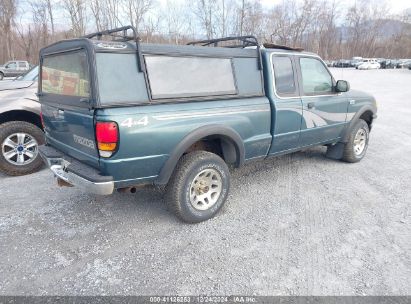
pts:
[130, 122]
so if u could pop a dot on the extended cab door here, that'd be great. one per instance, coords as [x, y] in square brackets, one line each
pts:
[66, 97]
[287, 106]
[324, 110]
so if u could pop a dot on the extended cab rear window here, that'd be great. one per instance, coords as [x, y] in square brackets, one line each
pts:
[284, 76]
[66, 74]
[180, 76]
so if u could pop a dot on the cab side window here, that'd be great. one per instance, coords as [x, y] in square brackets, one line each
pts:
[315, 77]
[12, 65]
[284, 76]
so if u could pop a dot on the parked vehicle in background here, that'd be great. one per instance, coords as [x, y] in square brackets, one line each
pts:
[357, 63]
[354, 63]
[369, 64]
[388, 64]
[14, 68]
[404, 63]
[343, 63]
[20, 125]
[394, 63]
[120, 114]
[328, 63]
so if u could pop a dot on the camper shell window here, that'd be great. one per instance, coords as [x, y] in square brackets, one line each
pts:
[66, 74]
[184, 76]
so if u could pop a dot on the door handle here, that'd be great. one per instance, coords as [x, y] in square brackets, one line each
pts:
[310, 105]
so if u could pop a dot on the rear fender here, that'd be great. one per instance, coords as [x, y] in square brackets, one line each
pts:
[225, 133]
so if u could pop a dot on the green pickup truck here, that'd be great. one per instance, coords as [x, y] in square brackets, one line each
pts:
[119, 114]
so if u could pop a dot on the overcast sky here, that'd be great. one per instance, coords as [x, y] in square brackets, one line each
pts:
[396, 6]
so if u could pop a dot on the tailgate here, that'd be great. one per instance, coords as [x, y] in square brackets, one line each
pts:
[65, 96]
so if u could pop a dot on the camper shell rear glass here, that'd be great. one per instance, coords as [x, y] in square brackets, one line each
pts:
[66, 74]
[170, 73]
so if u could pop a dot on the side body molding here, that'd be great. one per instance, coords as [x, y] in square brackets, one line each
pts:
[229, 138]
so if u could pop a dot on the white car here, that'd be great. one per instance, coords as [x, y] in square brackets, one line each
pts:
[369, 65]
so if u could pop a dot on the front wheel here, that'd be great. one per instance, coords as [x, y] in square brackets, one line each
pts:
[199, 186]
[19, 141]
[1, 76]
[356, 147]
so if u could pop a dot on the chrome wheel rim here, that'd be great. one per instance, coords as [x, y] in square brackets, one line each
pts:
[19, 149]
[360, 140]
[205, 189]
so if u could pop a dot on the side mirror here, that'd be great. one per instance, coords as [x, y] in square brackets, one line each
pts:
[342, 86]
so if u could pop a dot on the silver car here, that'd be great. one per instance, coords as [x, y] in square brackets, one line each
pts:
[20, 125]
[14, 68]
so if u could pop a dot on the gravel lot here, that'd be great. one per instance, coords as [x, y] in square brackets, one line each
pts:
[299, 224]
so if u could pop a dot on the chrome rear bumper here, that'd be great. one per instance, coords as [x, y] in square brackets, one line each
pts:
[89, 180]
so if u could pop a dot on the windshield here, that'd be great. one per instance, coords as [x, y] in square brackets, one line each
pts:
[31, 75]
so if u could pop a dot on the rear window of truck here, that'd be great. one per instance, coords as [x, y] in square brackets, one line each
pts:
[179, 76]
[66, 74]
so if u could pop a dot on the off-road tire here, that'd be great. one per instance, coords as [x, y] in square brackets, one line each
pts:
[178, 189]
[349, 154]
[9, 128]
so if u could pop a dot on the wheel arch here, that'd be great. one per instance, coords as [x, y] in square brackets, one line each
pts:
[367, 113]
[21, 115]
[232, 147]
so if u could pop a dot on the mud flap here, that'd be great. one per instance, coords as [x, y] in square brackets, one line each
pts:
[336, 151]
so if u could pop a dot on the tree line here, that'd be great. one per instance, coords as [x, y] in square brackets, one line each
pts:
[327, 27]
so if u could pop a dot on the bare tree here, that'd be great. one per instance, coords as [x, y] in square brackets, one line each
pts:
[27, 40]
[364, 21]
[105, 13]
[77, 12]
[96, 9]
[174, 17]
[135, 11]
[51, 16]
[251, 18]
[8, 10]
[323, 26]
[205, 11]
[40, 17]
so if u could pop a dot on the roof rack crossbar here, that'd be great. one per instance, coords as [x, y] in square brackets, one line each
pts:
[246, 41]
[122, 38]
[282, 47]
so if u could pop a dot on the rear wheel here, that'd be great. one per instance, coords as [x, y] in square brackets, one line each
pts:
[199, 186]
[19, 141]
[356, 147]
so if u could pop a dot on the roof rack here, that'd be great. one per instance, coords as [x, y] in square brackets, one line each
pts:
[122, 38]
[245, 41]
[282, 47]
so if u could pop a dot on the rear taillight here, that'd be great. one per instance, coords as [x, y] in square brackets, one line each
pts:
[107, 137]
